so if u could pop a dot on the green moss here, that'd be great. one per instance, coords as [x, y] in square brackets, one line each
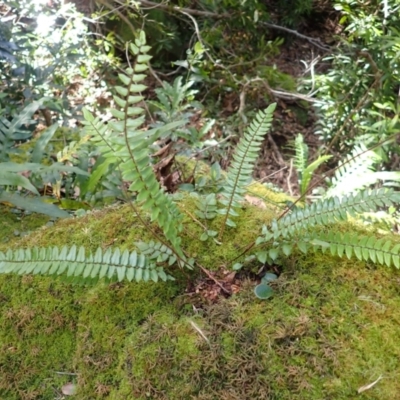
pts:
[331, 327]
[37, 336]
[16, 224]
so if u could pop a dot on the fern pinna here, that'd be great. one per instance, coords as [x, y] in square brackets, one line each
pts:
[242, 165]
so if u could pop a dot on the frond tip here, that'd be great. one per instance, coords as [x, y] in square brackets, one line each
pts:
[365, 248]
[74, 262]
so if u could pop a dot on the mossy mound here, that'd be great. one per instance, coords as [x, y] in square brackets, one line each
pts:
[15, 223]
[332, 326]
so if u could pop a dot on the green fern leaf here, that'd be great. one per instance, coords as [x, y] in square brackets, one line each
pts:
[355, 173]
[301, 155]
[241, 168]
[331, 210]
[126, 147]
[73, 262]
[365, 248]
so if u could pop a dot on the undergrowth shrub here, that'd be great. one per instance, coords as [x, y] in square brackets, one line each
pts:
[360, 106]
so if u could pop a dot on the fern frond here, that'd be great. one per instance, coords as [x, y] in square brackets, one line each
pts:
[329, 211]
[68, 153]
[123, 143]
[304, 171]
[365, 248]
[241, 168]
[308, 173]
[73, 261]
[301, 155]
[355, 173]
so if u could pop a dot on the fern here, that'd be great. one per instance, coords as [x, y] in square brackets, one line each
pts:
[365, 248]
[330, 211]
[296, 229]
[301, 154]
[171, 98]
[304, 171]
[73, 262]
[356, 172]
[124, 145]
[241, 168]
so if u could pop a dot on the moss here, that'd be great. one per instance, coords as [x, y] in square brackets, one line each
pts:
[332, 326]
[317, 336]
[16, 224]
[110, 314]
[38, 321]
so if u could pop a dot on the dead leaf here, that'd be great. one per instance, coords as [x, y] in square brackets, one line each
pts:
[369, 386]
[255, 201]
[229, 278]
[69, 389]
[163, 150]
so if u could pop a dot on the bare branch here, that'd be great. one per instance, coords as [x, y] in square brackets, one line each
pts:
[199, 13]
[313, 41]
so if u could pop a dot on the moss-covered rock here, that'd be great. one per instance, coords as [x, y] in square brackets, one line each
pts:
[332, 326]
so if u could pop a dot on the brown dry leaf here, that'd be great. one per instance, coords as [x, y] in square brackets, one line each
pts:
[230, 277]
[235, 289]
[255, 201]
[165, 162]
[369, 386]
[163, 150]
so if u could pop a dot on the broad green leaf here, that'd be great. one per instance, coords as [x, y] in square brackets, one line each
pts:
[237, 266]
[33, 204]
[13, 179]
[273, 253]
[262, 256]
[41, 143]
[143, 58]
[141, 67]
[263, 291]
[269, 277]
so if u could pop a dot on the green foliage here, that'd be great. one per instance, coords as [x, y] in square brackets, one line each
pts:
[50, 52]
[304, 171]
[176, 103]
[174, 100]
[365, 248]
[74, 262]
[127, 148]
[361, 106]
[297, 228]
[263, 290]
[11, 178]
[357, 171]
[15, 130]
[39, 64]
[241, 169]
